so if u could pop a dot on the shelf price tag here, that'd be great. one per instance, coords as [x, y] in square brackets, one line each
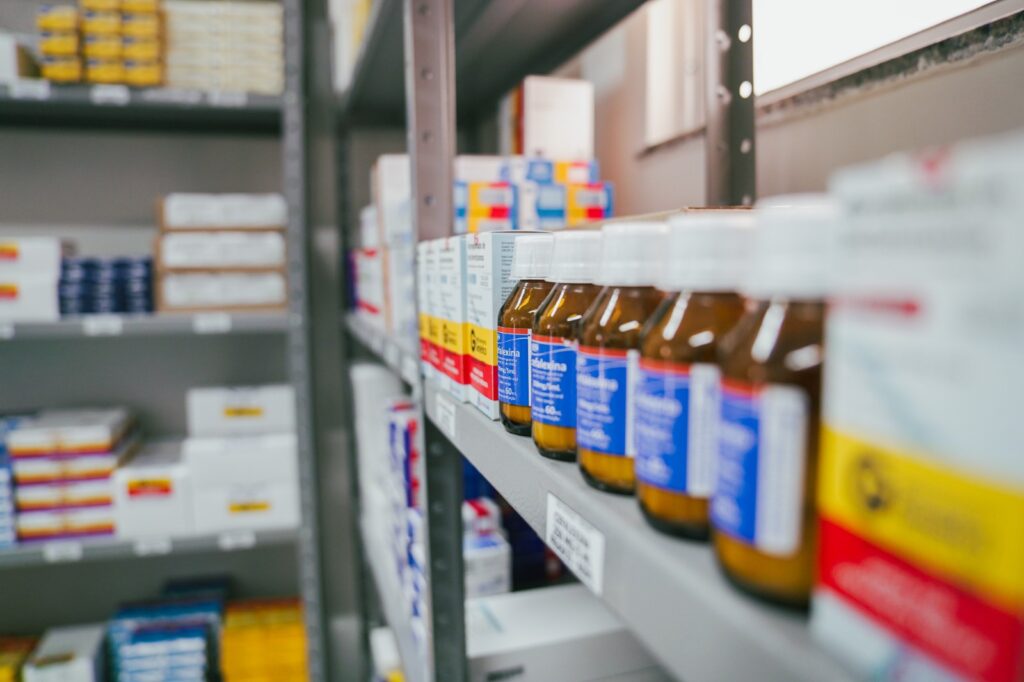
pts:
[446, 415]
[236, 539]
[576, 542]
[30, 89]
[211, 323]
[227, 99]
[152, 546]
[102, 325]
[59, 552]
[117, 95]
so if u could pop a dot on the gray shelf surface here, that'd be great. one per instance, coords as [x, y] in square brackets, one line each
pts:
[669, 592]
[403, 363]
[497, 44]
[39, 104]
[412, 662]
[98, 549]
[199, 324]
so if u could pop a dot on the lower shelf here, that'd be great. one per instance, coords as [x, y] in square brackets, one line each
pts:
[69, 551]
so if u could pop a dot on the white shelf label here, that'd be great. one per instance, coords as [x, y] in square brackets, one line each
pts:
[236, 539]
[30, 89]
[117, 95]
[576, 542]
[6, 331]
[446, 415]
[102, 325]
[211, 323]
[152, 546]
[58, 552]
[172, 95]
[227, 99]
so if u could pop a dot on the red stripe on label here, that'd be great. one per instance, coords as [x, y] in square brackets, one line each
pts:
[515, 330]
[453, 365]
[483, 377]
[499, 212]
[552, 339]
[596, 352]
[973, 637]
[739, 389]
[368, 307]
[594, 213]
[653, 365]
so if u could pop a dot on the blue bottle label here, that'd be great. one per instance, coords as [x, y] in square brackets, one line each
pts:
[553, 381]
[514, 366]
[759, 491]
[604, 406]
[677, 411]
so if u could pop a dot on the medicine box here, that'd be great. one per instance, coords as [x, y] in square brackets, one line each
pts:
[153, 493]
[240, 410]
[31, 255]
[220, 250]
[371, 287]
[69, 432]
[29, 297]
[424, 295]
[487, 562]
[57, 18]
[391, 188]
[69, 654]
[64, 495]
[451, 285]
[401, 292]
[65, 523]
[197, 292]
[485, 206]
[243, 483]
[519, 169]
[369, 230]
[16, 60]
[921, 480]
[488, 284]
[222, 211]
[552, 206]
[557, 118]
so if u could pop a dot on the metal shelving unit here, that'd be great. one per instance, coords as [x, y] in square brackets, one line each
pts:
[146, 325]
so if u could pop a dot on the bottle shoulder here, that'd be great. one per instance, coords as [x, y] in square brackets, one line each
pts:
[689, 328]
[617, 317]
[775, 342]
[563, 308]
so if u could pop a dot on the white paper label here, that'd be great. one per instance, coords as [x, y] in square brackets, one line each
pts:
[6, 331]
[30, 89]
[172, 95]
[228, 99]
[446, 415]
[237, 539]
[576, 542]
[211, 323]
[117, 95]
[781, 469]
[56, 552]
[152, 546]
[102, 325]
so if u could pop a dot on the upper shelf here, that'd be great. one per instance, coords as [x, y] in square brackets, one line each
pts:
[40, 104]
[202, 324]
[497, 44]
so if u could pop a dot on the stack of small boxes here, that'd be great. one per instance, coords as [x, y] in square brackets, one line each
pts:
[241, 454]
[230, 46]
[120, 41]
[221, 252]
[63, 462]
[106, 285]
[30, 269]
[264, 641]
[8, 535]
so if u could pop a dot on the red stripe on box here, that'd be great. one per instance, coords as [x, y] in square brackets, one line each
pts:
[482, 377]
[975, 638]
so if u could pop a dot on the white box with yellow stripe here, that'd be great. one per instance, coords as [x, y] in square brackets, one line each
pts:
[240, 410]
[922, 480]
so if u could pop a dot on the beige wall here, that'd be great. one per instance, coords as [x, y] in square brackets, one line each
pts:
[797, 149]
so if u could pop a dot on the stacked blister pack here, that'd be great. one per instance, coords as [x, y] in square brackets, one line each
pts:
[62, 463]
[264, 641]
[106, 285]
[172, 639]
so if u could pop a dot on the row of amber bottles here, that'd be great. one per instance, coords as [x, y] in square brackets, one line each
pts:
[703, 402]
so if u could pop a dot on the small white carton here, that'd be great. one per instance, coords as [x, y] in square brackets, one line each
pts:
[451, 284]
[240, 410]
[153, 493]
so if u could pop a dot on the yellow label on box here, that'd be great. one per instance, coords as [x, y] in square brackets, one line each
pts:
[63, 44]
[8, 291]
[143, 74]
[9, 251]
[250, 506]
[58, 18]
[452, 337]
[482, 344]
[140, 5]
[952, 523]
[142, 49]
[243, 411]
[145, 25]
[102, 47]
[104, 71]
[100, 5]
[101, 23]
[62, 69]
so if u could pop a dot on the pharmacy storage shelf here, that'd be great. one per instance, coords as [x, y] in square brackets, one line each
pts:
[146, 325]
[669, 592]
[403, 363]
[70, 551]
[497, 44]
[38, 103]
[391, 600]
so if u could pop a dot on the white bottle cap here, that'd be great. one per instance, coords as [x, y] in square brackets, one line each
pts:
[708, 251]
[532, 256]
[576, 256]
[631, 254]
[794, 247]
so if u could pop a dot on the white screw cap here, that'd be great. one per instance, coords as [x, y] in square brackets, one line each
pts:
[708, 251]
[631, 254]
[531, 258]
[576, 256]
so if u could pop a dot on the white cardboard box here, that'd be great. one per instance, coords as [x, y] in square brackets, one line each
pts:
[429, 296]
[558, 118]
[240, 410]
[451, 285]
[68, 654]
[220, 211]
[371, 287]
[69, 431]
[30, 255]
[222, 249]
[391, 187]
[487, 562]
[153, 493]
[202, 291]
[29, 297]
[401, 308]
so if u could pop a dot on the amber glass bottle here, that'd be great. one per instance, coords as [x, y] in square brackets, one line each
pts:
[607, 361]
[678, 397]
[531, 264]
[763, 509]
[574, 261]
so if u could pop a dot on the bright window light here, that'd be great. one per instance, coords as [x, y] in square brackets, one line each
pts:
[794, 39]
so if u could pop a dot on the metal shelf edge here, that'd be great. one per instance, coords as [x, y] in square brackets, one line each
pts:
[200, 324]
[402, 362]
